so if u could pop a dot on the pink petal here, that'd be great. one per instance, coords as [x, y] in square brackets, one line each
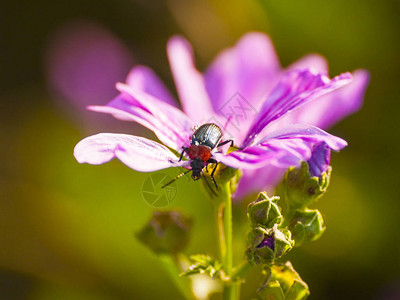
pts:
[248, 69]
[170, 117]
[295, 89]
[310, 61]
[188, 80]
[169, 123]
[127, 112]
[330, 108]
[137, 153]
[342, 102]
[266, 178]
[254, 181]
[143, 78]
[282, 149]
[309, 133]
[240, 78]
[281, 153]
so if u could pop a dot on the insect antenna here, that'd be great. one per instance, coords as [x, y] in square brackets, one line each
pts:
[176, 178]
[208, 185]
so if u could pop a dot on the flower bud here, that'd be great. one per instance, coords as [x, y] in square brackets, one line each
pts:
[306, 226]
[300, 189]
[166, 232]
[268, 244]
[283, 282]
[264, 211]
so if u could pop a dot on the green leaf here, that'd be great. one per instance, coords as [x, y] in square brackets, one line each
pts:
[204, 264]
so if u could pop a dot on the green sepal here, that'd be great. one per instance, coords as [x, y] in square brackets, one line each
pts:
[264, 211]
[268, 244]
[300, 189]
[166, 232]
[272, 291]
[288, 280]
[204, 264]
[306, 226]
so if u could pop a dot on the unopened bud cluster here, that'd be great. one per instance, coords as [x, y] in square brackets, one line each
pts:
[274, 233]
[299, 189]
[267, 241]
[277, 227]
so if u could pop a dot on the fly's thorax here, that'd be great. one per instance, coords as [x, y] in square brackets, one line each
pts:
[199, 152]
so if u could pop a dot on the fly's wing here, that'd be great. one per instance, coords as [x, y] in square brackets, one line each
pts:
[207, 135]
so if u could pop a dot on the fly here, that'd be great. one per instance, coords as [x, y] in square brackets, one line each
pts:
[205, 138]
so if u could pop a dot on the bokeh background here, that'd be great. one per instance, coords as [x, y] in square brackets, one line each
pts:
[67, 230]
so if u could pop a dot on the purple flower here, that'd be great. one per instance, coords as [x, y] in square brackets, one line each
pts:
[271, 113]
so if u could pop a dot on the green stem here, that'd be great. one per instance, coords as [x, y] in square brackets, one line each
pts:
[228, 261]
[241, 271]
[172, 266]
[221, 230]
[231, 291]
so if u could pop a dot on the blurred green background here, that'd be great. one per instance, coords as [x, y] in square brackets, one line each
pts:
[67, 230]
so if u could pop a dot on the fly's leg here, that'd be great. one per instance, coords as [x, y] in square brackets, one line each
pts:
[226, 142]
[208, 185]
[183, 151]
[213, 161]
